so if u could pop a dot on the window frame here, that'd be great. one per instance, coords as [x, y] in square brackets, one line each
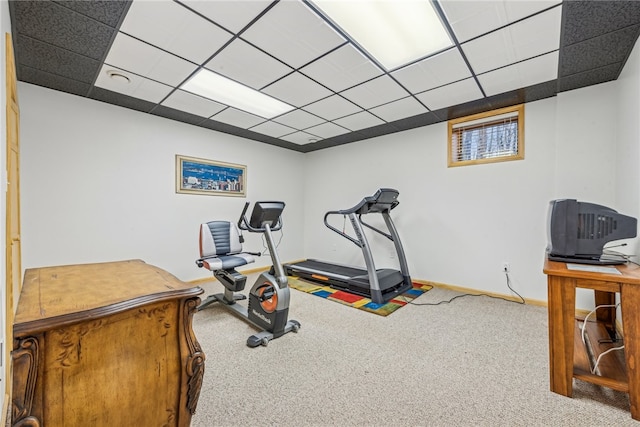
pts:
[486, 118]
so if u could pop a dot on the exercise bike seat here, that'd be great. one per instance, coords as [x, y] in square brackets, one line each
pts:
[220, 247]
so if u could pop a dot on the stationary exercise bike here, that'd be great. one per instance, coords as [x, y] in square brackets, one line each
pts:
[221, 252]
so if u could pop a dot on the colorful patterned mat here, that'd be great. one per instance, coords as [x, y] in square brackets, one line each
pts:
[358, 301]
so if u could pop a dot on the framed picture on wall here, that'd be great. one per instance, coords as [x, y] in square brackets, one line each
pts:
[210, 177]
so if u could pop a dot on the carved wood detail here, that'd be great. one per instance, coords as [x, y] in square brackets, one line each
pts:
[69, 342]
[195, 361]
[25, 358]
[159, 314]
[105, 345]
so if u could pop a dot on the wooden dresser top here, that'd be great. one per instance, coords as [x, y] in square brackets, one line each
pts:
[54, 296]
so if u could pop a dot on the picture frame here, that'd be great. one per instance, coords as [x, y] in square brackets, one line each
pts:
[210, 177]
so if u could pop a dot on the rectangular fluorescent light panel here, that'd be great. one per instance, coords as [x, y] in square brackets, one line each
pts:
[226, 91]
[394, 32]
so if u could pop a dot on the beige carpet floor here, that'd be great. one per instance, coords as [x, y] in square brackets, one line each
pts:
[475, 362]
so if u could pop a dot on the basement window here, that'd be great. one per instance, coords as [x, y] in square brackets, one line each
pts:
[489, 137]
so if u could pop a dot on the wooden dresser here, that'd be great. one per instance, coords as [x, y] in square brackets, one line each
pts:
[107, 344]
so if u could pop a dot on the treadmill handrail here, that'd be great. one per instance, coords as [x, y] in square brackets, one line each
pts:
[342, 233]
[371, 227]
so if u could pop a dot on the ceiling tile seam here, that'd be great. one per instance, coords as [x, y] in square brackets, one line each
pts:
[620, 63]
[456, 43]
[116, 29]
[628, 54]
[211, 117]
[198, 68]
[441, 86]
[344, 35]
[598, 35]
[236, 36]
[411, 95]
[635, 38]
[18, 66]
[372, 59]
[242, 30]
[75, 12]
[515, 22]
[51, 45]
[298, 70]
[520, 61]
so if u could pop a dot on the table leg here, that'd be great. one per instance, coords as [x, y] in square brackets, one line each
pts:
[561, 303]
[630, 300]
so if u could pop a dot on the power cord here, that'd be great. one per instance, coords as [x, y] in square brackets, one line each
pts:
[264, 242]
[584, 340]
[506, 273]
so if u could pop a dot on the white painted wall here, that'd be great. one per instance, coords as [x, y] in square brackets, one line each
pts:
[628, 138]
[98, 184]
[459, 224]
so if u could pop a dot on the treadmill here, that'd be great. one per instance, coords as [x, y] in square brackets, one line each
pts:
[381, 285]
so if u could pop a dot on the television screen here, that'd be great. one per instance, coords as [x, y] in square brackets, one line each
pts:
[577, 232]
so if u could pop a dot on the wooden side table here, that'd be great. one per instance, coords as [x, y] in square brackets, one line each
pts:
[107, 344]
[568, 357]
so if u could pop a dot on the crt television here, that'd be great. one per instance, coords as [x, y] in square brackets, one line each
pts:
[578, 231]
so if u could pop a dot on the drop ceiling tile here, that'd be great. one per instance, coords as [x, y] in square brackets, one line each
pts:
[297, 90]
[523, 40]
[232, 15]
[453, 94]
[375, 92]
[245, 64]
[107, 12]
[584, 19]
[299, 119]
[273, 129]
[332, 107]
[174, 28]
[55, 60]
[610, 48]
[126, 101]
[438, 70]
[472, 18]
[327, 130]
[361, 120]
[399, 109]
[137, 57]
[54, 24]
[138, 87]
[292, 32]
[520, 75]
[301, 138]
[341, 69]
[194, 104]
[237, 118]
[52, 81]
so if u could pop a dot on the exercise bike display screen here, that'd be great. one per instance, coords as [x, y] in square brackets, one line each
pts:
[266, 213]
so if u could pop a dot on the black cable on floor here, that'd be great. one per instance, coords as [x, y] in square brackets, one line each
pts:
[522, 301]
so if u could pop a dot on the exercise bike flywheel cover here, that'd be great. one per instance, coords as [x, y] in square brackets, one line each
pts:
[268, 304]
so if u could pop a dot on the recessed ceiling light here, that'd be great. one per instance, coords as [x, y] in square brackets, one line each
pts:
[394, 32]
[118, 77]
[226, 91]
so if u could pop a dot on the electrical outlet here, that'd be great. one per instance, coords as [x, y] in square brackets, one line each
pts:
[506, 267]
